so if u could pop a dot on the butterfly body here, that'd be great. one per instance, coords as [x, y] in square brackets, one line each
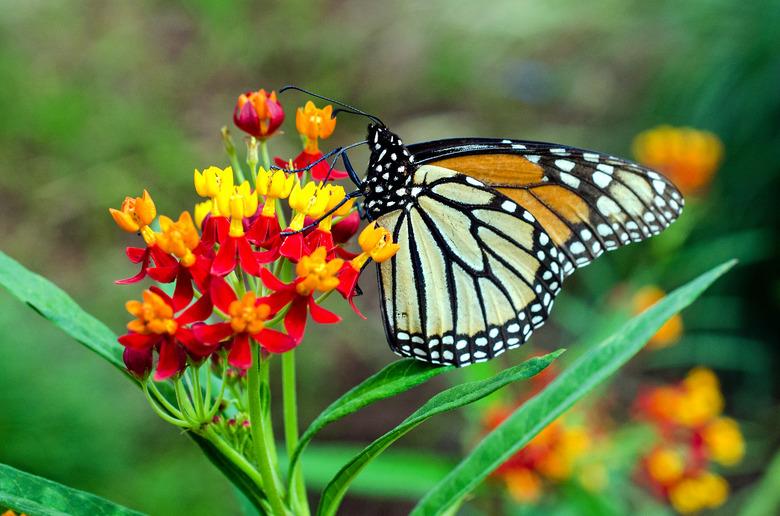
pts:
[488, 231]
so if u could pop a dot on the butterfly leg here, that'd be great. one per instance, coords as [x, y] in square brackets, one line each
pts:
[351, 171]
[312, 164]
[342, 202]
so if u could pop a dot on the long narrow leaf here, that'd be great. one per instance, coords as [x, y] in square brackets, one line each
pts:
[575, 382]
[57, 306]
[31, 494]
[447, 400]
[398, 377]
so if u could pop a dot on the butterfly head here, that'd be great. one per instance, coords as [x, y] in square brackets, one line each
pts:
[389, 172]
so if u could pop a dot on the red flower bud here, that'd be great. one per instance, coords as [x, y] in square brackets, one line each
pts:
[258, 113]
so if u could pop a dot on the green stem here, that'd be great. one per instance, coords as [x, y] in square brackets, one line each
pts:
[197, 395]
[264, 154]
[230, 148]
[164, 402]
[232, 455]
[186, 407]
[297, 494]
[259, 439]
[160, 412]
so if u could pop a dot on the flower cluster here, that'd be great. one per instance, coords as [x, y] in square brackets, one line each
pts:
[236, 273]
[551, 457]
[688, 157]
[692, 434]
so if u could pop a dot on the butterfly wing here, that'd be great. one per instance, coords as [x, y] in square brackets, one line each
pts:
[475, 274]
[586, 201]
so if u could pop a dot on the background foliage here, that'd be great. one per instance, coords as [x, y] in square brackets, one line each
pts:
[98, 98]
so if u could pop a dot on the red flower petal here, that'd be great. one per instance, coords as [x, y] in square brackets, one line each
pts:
[172, 360]
[247, 256]
[225, 261]
[272, 282]
[139, 341]
[295, 319]
[275, 341]
[183, 293]
[200, 272]
[346, 228]
[268, 256]
[200, 310]
[241, 352]
[319, 238]
[136, 254]
[221, 294]
[161, 258]
[144, 258]
[320, 314]
[163, 274]
[292, 247]
[212, 333]
[277, 300]
[194, 346]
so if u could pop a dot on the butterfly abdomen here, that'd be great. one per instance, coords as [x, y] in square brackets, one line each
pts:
[389, 176]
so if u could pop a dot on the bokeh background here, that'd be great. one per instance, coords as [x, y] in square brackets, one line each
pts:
[99, 99]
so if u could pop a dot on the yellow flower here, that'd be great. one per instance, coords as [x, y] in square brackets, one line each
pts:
[334, 194]
[377, 243]
[213, 181]
[724, 441]
[689, 157]
[179, 238]
[671, 331]
[154, 315]
[524, 485]
[665, 465]
[135, 214]
[701, 400]
[201, 210]
[274, 185]
[314, 123]
[246, 316]
[305, 200]
[693, 494]
[238, 203]
[317, 273]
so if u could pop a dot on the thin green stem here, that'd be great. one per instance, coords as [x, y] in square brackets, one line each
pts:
[185, 405]
[259, 439]
[233, 456]
[264, 154]
[197, 393]
[163, 401]
[230, 148]
[160, 412]
[297, 494]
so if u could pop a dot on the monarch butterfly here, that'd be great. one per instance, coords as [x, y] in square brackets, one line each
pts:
[489, 229]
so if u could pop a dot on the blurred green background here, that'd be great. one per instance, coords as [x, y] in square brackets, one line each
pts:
[99, 99]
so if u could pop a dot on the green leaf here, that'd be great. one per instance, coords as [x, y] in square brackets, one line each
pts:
[447, 400]
[576, 381]
[765, 497]
[398, 377]
[57, 306]
[23, 492]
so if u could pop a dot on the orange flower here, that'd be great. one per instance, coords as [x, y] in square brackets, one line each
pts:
[135, 215]
[704, 491]
[314, 123]
[665, 465]
[671, 331]
[524, 485]
[689, 157]
[724, 441]
[179, 238]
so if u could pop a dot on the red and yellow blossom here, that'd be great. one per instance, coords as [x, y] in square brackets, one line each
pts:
[264, 232]
[314, 124]
[672, 329]
[258, 113]
[689, 157]
[213, 183]
[240, 204]
[377, 244]
[315, 274]
[692, 433]
[322, 234]
[156, 327]
[310, 198]
[248, 316]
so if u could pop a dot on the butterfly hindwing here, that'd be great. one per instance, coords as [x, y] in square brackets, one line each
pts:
[586, 201]
[475, 273]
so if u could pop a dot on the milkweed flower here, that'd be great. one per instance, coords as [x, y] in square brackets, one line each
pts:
[241, 203]
[688, 157]
[156, 328]
[671, 331]
[258, 113]
[692, 433]
[314, 124]
[248, 316]
[315, 274]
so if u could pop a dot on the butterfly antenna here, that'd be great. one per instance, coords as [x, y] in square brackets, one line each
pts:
[346, 107]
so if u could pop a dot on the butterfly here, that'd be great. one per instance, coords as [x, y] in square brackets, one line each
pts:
[489, 229]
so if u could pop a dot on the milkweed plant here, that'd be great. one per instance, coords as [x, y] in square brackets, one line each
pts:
[245, 278]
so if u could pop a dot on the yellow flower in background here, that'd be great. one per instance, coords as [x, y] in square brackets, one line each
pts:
[689, 157]
[701, 400]
[524, 485]
[671, 331]
[314, 123]
[665, 465]
[705, 491]
[724, 441]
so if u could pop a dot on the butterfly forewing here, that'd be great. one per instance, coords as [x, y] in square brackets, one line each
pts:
[586, 201]
[476, 273]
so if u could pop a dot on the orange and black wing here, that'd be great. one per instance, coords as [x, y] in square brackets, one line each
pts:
[586, 201]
